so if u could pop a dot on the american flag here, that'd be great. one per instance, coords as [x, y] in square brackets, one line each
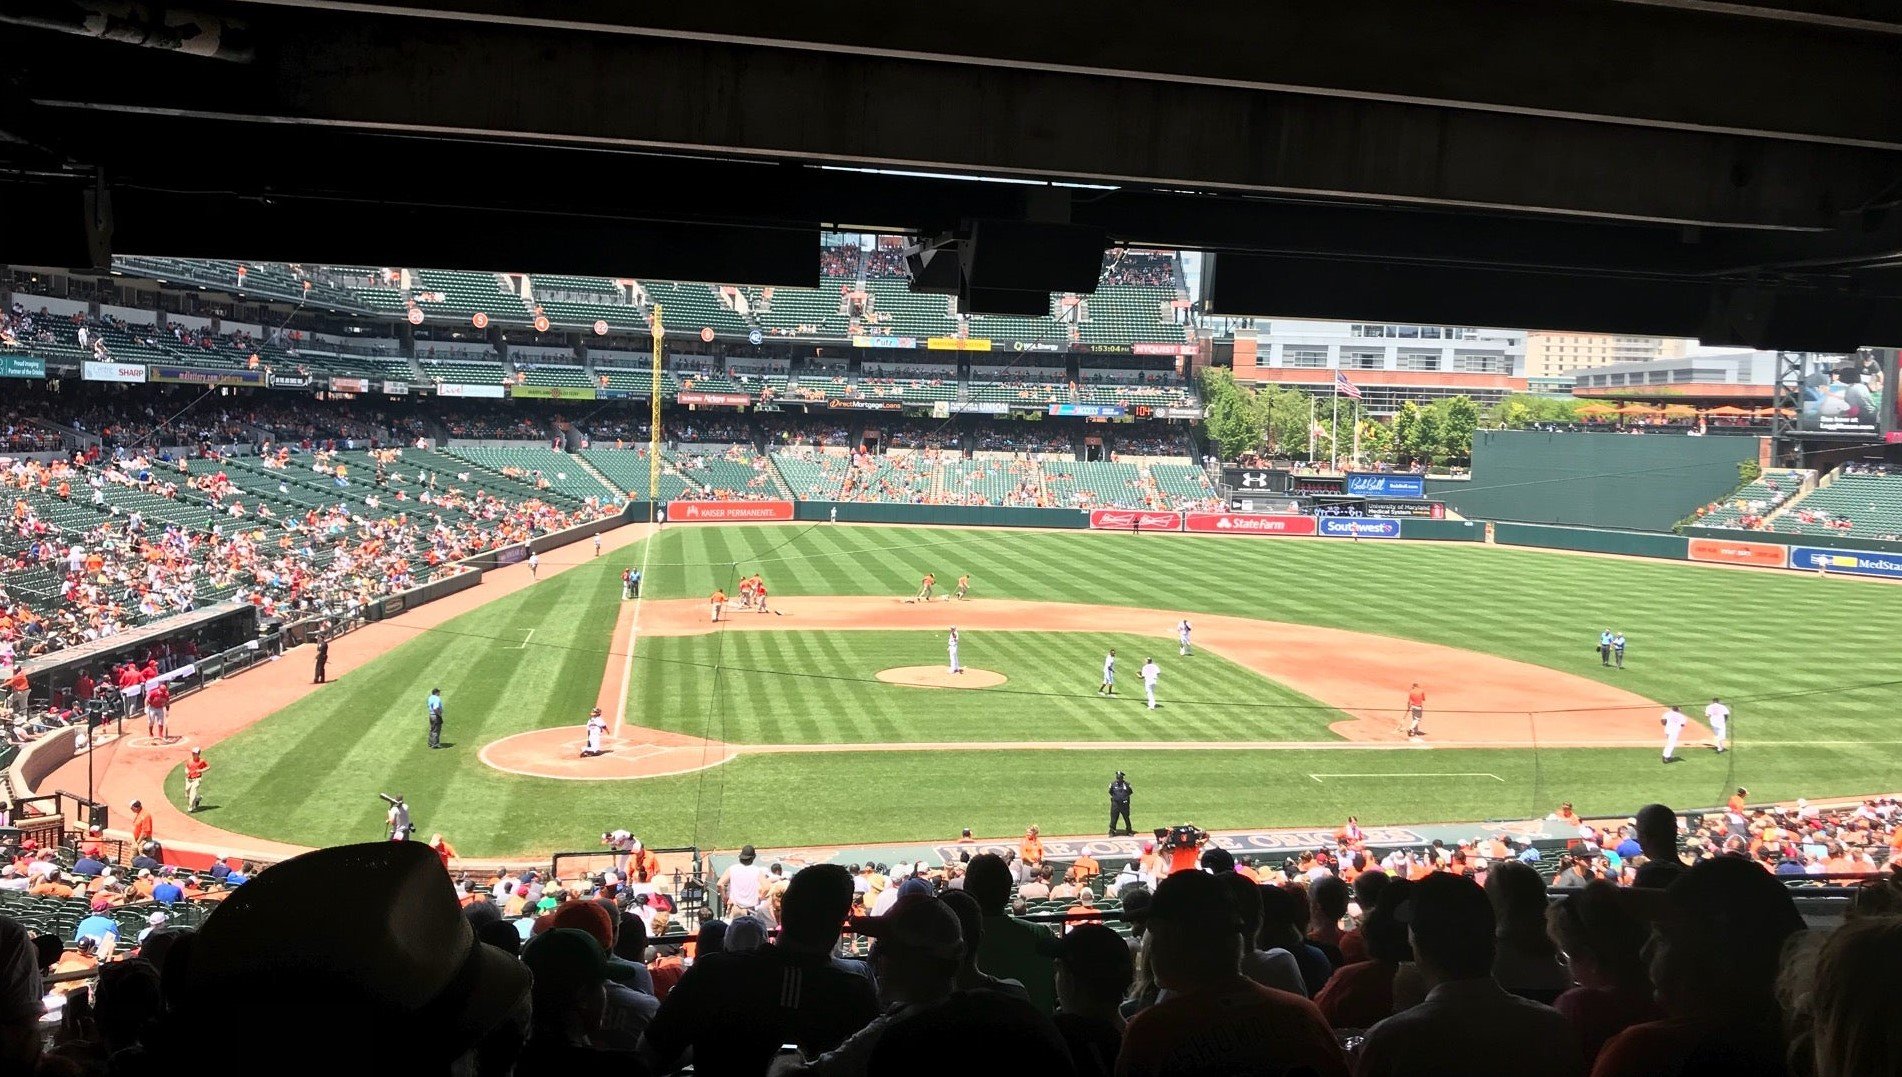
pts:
[1344, 387]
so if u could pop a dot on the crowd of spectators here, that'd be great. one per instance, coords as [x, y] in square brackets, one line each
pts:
[1448, 961]
[851, 262]
[1138, 267]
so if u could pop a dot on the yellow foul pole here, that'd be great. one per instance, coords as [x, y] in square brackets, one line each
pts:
[653, 438]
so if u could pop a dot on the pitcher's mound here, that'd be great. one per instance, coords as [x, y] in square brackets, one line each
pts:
[556, 753]
[941, 677]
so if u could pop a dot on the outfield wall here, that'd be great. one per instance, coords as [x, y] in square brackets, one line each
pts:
[1638, 482]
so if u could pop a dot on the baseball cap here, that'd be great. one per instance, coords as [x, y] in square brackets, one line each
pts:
[921, 924]
[747, 854]
[587, 917]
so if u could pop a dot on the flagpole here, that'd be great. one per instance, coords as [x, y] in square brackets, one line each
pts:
[1334, 428]
[1355, 418]
[1311, 406]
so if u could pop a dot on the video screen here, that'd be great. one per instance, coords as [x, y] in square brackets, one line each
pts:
[1843, 394]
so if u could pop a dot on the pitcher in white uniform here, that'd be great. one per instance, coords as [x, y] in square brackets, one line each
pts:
[1718, 716]
[1150, 672]
[951, 645]
[1108, 687]
[1673, 723]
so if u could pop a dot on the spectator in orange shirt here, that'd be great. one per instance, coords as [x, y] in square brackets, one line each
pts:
[1084, 869]
[444, 851]
[141, 824]
[1083, 912]
[1735, 804]
[1029, 853]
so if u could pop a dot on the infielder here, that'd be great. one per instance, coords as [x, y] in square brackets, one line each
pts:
[1182, 638]
[597, 728]
[718, 602]
[1108, 687]
[1673, 723]
[1150, 672]
[1718, 716]
[195, 769]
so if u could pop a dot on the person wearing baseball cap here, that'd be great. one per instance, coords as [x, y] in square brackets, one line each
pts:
[570, 968]
[1718, 933]
[1215, 1015]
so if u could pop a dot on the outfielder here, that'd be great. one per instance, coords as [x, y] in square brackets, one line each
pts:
[1108, 688]
[597, 728]
[1150, 672]
[1673, 723]
[1718, 716]
[951, 645]
[1182, 638]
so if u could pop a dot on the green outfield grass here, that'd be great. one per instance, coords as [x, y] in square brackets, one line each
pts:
[820, 688]
[1809, 665]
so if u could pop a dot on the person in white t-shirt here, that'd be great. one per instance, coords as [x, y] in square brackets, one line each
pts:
[1150, 672]
[740, 884]
[1673, 723]
[1718, 716]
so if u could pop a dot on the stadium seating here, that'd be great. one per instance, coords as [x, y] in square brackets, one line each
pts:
[1094, 484]
[692, 307]
[628, 469]
[1754, 499]
[894, 479]
[447, 294]
[801, 312]
[575, 377]
[729, 471]
[896, 312]
[1128, 314]
[989, 482]
[810, 474]
[559, 470]
[1180, 483]
[464, 371]
[1872, 505]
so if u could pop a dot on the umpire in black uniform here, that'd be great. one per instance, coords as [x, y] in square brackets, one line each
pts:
[1119, 794]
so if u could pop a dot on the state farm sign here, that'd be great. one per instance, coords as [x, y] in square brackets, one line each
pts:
[1134, 520]
[1234, 523]
[727, 512]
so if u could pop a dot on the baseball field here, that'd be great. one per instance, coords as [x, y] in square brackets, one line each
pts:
[777, 729]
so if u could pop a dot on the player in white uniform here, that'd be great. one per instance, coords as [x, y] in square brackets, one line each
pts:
[951, 645]
[1718, 716]
[534, 564]
[1673, 723]
[1108, 687]
[1182, 637]
[1150, 672]
[597, 728]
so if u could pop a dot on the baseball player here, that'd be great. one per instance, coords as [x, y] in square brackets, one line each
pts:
[1182, 638]
[951, 645]
[158, 705]
[397, 821]
[964, 587]
[1416, 709]
[1108, 687]
[759, 595]
[1150, 672]
[1618, 649]
[1673, 723]
[1718, 716]
[597, 543]
[746, 593]
[718, 602]
[195, 769]
[597, 728]
[924, 587]
[534, 564]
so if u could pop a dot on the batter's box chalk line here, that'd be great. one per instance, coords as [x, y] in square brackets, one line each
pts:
[1321, 778]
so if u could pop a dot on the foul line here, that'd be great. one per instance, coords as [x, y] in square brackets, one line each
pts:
[523, 646]
[633, 635]
[1412, 774]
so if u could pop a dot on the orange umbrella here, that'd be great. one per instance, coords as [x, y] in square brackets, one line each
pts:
[1729, 410]
[1597, 409]
[1679, 411]
[1637, 409]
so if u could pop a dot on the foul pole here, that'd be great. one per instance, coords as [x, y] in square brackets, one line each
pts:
[653, 433]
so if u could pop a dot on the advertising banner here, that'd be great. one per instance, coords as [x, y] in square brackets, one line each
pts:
[1035, 346]
[22, 366]
[1134, 520]
[1234, 523]
[958, 344]
[864, 405]
[1358, 527]
[1159, 349]
[719, 512]
[490, 392]
[1409, 510]
[1178, 413]
[349, 385]
[189, 376]
[120, 372]
[1093, 411]
[724, 400]
[1854, 562]
[1100, 349]
[553, 392]
[898, 343]
[396, 388]
[1259, 480]
[1383, 485]
[290, 381]
[1270, 504]
[1726, 552]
